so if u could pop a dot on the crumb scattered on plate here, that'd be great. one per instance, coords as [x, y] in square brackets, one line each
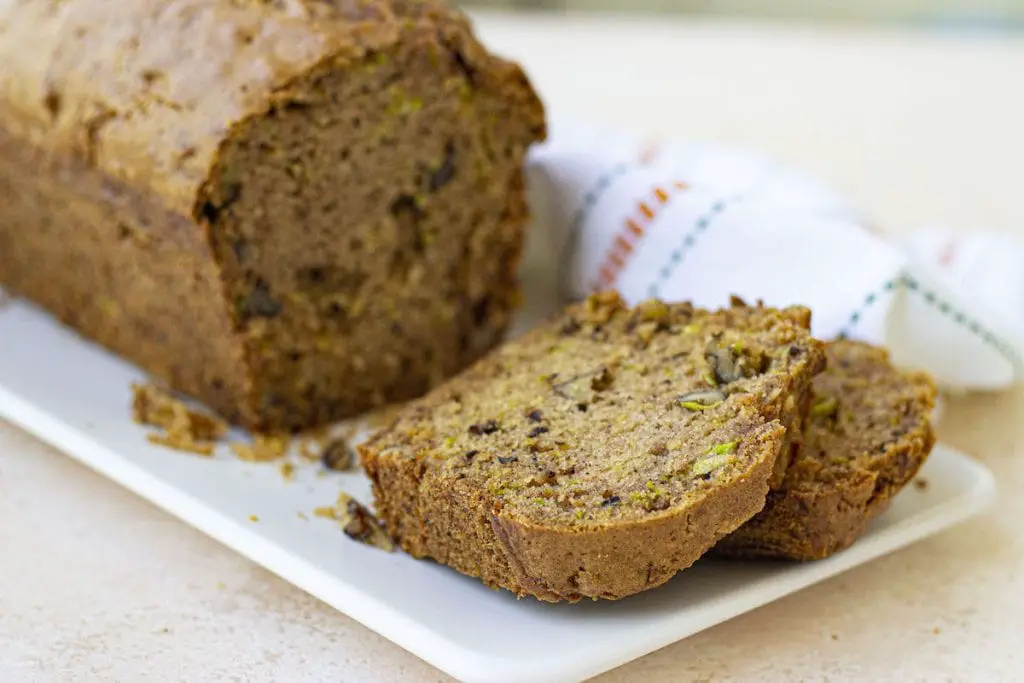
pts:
[309, 449]
[338, 455]
[921, 483]
[253, 518]
[326, 511]
[158, 408]
[287, 470]
[182, 442]
[184, 429]
[357, 522]
[262, 448]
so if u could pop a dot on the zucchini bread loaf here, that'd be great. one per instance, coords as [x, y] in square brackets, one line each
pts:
[868, 433]
[291, 209]
[600, 454]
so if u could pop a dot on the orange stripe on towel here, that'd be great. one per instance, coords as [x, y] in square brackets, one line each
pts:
[635, 227]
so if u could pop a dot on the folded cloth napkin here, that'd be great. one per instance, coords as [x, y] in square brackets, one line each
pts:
[702, 221]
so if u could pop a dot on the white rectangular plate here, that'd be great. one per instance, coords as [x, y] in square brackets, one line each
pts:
[76, 397]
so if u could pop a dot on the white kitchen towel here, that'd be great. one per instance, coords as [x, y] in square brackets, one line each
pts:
[701, 221]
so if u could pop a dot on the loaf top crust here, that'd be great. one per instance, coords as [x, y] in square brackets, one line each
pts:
[147, 91]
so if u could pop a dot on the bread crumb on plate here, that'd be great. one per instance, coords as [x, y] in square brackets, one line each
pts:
[185, 429]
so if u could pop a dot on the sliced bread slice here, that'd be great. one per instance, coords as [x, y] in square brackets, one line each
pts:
[600, 454]
[867, 435]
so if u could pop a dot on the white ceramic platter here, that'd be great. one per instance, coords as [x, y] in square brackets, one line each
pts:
[76, 397]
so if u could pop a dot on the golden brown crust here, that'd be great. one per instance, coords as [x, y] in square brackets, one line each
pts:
[868, 434]
[596, 456]
[145, 90]
[132, 85]
[612, 561]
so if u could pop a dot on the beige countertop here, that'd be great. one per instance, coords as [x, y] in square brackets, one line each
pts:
[96, 584]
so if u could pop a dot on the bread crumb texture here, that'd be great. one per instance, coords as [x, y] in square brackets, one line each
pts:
[600, 454]
[868, 434]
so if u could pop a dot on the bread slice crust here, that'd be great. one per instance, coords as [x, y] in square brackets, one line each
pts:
[600, 454]
[868, 434]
